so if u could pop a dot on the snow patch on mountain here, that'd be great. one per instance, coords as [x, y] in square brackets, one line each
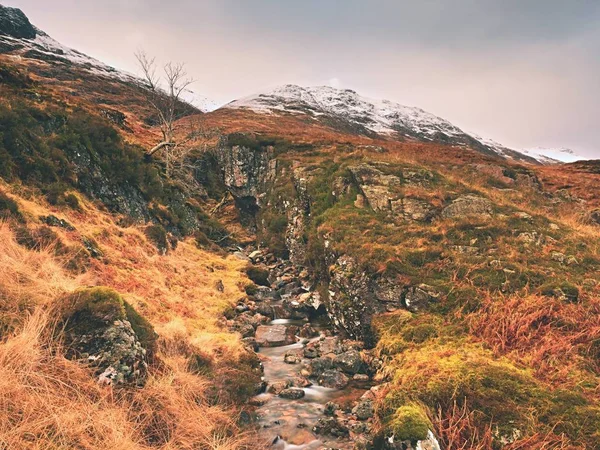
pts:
[386, 118]
[380, 116]
[199, 101]
[552, 155]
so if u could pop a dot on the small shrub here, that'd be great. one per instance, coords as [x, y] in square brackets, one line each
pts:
[158, 236]
[560, 289]
[9, 209]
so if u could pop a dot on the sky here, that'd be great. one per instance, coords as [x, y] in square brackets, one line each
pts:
[525, 73]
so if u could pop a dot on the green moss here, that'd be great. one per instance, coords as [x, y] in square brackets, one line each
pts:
[88, 309]
[409, 423]
[560, 288]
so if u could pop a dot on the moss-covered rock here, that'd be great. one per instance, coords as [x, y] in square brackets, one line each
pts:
[106, 332]
[409, 423]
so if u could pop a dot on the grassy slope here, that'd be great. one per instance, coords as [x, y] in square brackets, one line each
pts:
[55, 403]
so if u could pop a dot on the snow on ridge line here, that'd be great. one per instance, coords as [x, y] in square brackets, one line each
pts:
[46, 45]
[381, 116]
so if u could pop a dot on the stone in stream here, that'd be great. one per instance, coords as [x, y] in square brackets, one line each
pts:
[292, 357]
[364, 409]
[331, 408]
[279, 386]
[333, 379]
[329, 425]
[300, 381]
[311, 352]
[317, 366]
[292, 393]
[350, 362]
[275, 335]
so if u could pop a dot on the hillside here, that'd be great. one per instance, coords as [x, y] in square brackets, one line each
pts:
[322, 271]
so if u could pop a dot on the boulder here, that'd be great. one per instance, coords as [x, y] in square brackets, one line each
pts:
[292, 393]
[413, 209]
[319, 365]
[279, 386]
[292, 358]
[330, 426]
[364, 409]
[105, 332]
[275, 335]
[333, 379]
[350, 362]
[468, 205]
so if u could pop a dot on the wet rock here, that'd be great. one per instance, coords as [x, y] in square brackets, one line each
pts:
[292, 358]
[418, 298]
[301, 382]
[350, 362]
[307, 331]
[275, 335]
[329, 345]
[330, 408]
[319, 365]
[364, 409]
[292, 393]
[330, 426]
[333, 379]
[250, 342]
[311, 352]
[468, 205]
[279, 386]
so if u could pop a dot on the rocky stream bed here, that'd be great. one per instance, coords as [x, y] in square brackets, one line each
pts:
[319, 390]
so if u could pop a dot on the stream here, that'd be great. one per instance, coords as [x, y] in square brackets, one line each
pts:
[317, 391]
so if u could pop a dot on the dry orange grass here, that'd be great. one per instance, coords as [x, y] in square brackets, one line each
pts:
[554, 337]
[49, 402]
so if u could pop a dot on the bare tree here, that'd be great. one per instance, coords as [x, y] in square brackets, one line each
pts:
[164, 95]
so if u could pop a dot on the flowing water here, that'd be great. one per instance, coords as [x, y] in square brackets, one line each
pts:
[293, 420]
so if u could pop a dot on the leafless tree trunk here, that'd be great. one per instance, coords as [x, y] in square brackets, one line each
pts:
[164, 95]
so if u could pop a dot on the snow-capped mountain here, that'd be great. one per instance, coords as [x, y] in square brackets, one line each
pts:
[383, 117]
[22, 39]
[553, 155]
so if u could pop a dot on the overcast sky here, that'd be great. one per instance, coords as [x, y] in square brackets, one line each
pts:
[523, 72]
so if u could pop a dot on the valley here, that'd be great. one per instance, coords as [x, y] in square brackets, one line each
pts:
[312, 269]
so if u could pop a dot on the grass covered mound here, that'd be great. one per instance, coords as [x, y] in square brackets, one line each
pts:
[435, 370]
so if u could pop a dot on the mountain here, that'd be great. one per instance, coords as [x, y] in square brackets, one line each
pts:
[18, 37]
[345, 109]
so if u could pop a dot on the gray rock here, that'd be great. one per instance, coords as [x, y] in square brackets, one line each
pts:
[364, 409]
[468, 205]
[275, 335]
[333, 379]
[418, 298]
[350, 362]
[292, 393]
[330, 426]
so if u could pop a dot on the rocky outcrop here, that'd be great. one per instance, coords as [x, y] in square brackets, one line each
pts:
[244, 169]
[419, 298]
[382, 192]
[274, 335]
[104, 332]
[14, 23]
[468, 205]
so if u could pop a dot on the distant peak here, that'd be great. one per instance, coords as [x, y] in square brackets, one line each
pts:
[14, 23]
